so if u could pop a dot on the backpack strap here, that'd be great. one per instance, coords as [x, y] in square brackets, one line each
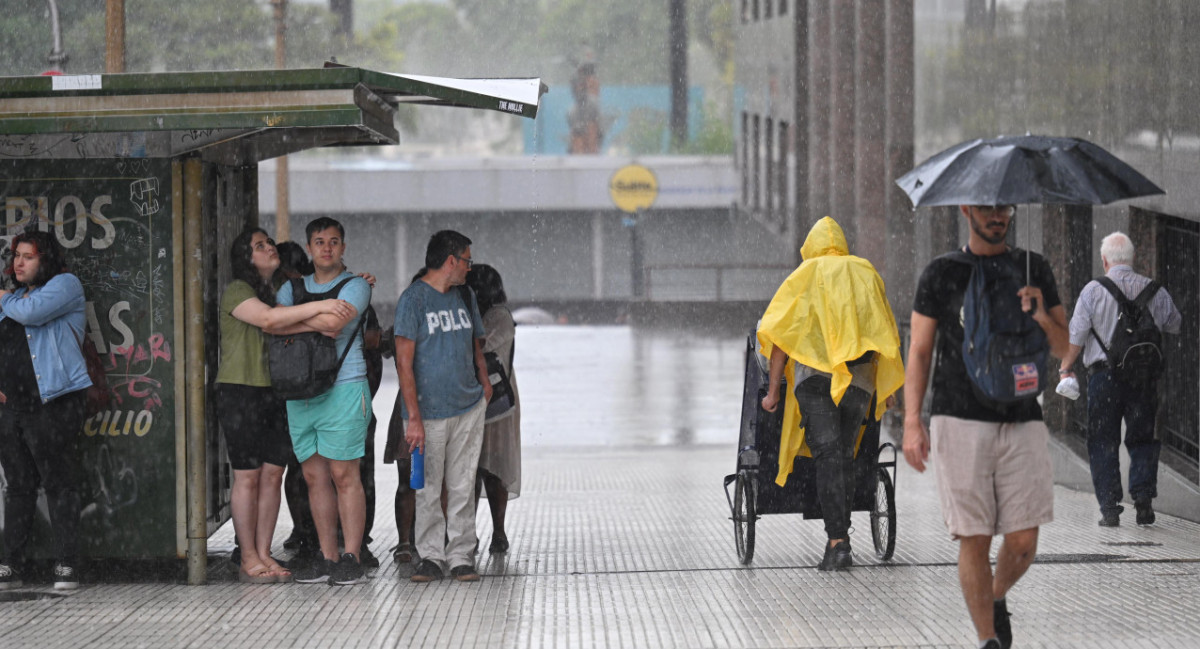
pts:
[1147, 294]
[362, 319]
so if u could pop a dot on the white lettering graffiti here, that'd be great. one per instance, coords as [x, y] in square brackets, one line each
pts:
[22, 211]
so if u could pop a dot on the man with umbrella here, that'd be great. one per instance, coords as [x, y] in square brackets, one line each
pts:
[994, 470]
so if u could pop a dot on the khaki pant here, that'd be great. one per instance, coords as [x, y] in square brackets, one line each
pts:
[993, 478]
[451, 456]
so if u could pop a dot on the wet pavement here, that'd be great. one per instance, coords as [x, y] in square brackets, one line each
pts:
[622, 538]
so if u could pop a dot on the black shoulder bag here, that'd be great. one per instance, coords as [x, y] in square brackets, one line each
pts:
[306, 365]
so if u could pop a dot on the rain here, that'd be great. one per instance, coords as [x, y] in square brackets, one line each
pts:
[643, 207]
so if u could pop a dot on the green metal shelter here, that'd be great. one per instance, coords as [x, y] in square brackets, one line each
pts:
[145, 179]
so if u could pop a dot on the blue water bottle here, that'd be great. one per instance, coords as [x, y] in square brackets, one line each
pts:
[416, 476]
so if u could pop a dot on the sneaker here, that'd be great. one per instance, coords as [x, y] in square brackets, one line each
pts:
[992, 644]
[368, 560]
[8, 577]
[1001, 624]
[464, 572]
[347, 571]
[837, 557]
[426, 571]
[1111, 519]
[1145, 513]
[65, 577]
[316, 572]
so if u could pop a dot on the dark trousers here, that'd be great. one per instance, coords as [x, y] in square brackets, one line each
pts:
[831, 431]
[295, 491]
[1109, 401]
[40, 448]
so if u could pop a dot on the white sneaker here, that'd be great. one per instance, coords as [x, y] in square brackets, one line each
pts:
[8, 577]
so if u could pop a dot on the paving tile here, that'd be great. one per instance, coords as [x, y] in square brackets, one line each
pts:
[634, 548]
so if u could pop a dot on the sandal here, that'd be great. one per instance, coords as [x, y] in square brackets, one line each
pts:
[260, 575]
[403, 553]
[282, 575]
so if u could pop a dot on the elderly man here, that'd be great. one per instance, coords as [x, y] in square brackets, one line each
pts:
[1112, 395]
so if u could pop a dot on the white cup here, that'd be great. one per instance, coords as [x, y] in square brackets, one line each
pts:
[1068, 387]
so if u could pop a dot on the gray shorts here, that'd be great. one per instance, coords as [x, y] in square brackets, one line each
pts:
[993, 478]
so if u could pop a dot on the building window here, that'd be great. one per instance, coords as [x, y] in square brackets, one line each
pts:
[756, 161]
[745, 11]
[745, 158]
[783, 8]
[768, 5]
[756, 13]
[781, 171]
[769, 164]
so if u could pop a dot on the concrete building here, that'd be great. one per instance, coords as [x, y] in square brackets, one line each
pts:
[840, 98]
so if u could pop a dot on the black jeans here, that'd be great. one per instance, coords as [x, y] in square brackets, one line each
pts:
[40, 448]
[830, 431]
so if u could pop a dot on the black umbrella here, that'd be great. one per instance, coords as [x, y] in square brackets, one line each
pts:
[1024, 169]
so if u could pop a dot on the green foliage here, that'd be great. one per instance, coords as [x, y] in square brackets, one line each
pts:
[714, 135]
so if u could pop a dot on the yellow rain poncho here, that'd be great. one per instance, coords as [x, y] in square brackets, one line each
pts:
[830, 310]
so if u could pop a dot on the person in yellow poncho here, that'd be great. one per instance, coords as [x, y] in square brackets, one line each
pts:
[831, 316]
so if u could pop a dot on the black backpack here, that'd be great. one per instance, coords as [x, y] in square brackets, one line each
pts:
[1135, 351]
[1004, 349]
[306, 365]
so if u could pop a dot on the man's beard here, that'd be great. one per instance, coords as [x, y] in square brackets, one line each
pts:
[986, 234]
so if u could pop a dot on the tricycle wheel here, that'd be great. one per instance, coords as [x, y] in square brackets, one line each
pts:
[744, 516]
[883, 517]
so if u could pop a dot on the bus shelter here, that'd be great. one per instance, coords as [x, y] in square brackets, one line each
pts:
[146, 179]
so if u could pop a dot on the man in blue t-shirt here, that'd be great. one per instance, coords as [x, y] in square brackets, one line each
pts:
[329, 431]
[444, 392]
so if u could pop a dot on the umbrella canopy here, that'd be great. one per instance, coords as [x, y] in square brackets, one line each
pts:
[1024, 169]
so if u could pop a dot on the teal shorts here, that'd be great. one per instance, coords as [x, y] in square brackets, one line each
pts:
[332, 425]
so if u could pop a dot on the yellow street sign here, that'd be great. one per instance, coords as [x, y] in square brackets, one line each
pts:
[633, 188]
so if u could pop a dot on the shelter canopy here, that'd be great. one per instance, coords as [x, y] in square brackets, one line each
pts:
[230, 117]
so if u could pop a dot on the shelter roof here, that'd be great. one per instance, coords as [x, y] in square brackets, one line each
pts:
[232, 117]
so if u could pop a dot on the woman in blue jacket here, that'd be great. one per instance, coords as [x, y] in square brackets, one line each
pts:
[43, 390]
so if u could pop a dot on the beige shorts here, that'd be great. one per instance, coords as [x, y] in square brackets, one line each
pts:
[992, 478]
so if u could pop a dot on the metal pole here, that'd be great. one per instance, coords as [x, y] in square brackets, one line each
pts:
[114, 30]
[282, 209]
[197, 451]
[57, 56]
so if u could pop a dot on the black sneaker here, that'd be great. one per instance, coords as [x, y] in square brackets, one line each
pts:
[1001, 624]
[1111, 519]
[1145, 513]
[992, 644]
[8, 577]
[347, 571]
[837, 557]
[464, 572]
[368, 560]
[316, 572]
[65, 577]
[426, 571]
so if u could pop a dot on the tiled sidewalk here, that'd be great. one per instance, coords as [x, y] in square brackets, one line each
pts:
[634, 548]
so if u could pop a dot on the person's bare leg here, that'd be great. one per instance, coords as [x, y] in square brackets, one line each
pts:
[351, 503]
[270, 484]
[244, 507]
[1016, 554]
[975, 578]
[324, 504]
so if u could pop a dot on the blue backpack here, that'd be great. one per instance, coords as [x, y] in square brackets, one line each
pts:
[1004, 349]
